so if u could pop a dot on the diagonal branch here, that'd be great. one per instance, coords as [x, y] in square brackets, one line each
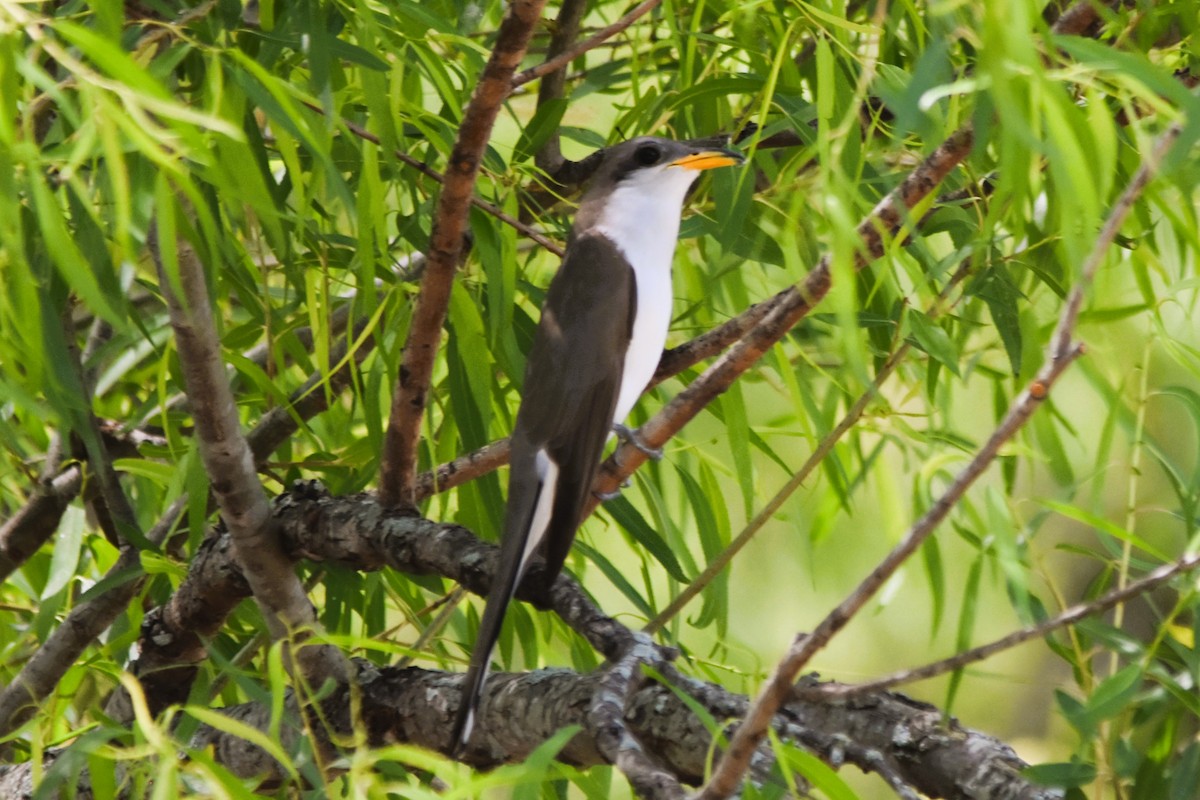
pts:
[1062, 352]
[172, 635]
[35, 522]
[826, 445]
[230, 464]
[398, 469]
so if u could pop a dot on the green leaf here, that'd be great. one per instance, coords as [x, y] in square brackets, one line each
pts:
[933, 339]
[1064, 774]
[65, 559]
[1001, 295]
[70, 261]
[545, 122]
[737, 431]
[712, 524]
[931, 558]
[816, 772]
[1113, 695]
[1185, 775]
[616, 577]
[1104, 526]
[632, 522]
[966, 625]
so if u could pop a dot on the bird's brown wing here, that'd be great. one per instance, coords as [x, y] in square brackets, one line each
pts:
[572, 378]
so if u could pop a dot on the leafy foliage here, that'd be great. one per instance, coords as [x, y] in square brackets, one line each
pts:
[259, 115]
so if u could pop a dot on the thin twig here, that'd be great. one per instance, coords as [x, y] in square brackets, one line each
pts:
[1061, 352]
[567, 56]
[463, 469]
[1070, 616]
[429, 172]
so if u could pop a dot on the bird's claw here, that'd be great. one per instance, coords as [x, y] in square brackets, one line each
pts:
[615, 493]
[627, 434]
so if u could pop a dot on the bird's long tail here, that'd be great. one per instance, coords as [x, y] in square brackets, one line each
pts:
[522, 536]
[503, 588]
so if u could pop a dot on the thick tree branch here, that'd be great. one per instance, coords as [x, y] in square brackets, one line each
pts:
[230, 464]
[521, 711]
[172, 636]
[1061, 353]
[397, 473]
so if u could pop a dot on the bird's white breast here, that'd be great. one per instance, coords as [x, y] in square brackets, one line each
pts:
[642, 220]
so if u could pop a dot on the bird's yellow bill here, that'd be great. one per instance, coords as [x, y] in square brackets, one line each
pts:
[708, 160]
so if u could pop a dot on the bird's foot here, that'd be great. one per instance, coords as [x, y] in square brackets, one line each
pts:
[627, 434]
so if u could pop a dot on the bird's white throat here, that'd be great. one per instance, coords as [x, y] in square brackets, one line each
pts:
[641, 217]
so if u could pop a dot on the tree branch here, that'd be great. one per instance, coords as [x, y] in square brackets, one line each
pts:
[522, 710]
[549, 158]
[398, 469]
[230, 465]
[35, 522]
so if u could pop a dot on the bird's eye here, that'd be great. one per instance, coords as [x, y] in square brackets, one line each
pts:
[648, 154]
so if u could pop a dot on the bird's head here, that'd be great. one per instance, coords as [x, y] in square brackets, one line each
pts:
[642, 183]
[657, 165]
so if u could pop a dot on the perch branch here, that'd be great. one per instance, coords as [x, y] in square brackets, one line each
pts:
[517, 715]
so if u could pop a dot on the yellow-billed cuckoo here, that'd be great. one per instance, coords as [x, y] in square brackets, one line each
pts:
[602, 332]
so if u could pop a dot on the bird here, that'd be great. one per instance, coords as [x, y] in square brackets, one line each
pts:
[602, 331]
